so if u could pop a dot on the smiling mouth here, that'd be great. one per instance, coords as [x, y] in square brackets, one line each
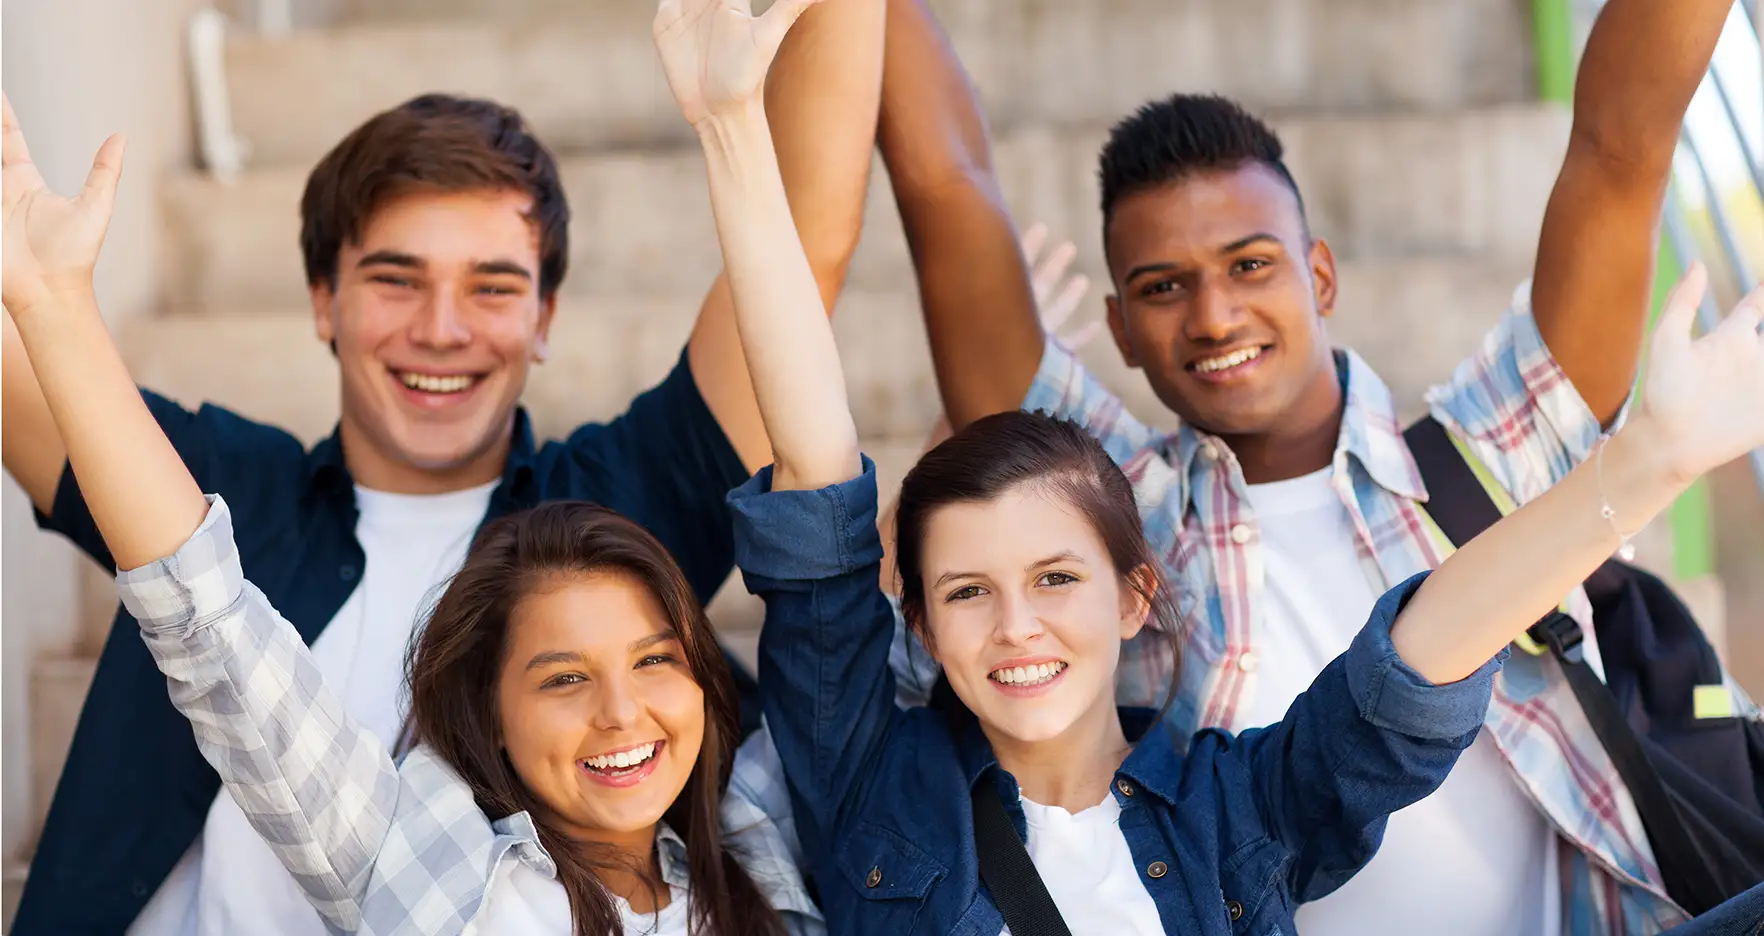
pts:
[1025, 677]
[443, 384]
[1229, 361]
[623, 763]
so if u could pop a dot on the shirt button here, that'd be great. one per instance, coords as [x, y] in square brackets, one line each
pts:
[1235, 909]
[1209, 450]
[1248, 661]
[138, 888]
[1125, 787]
[346, 572]
[1242, 534]
[1157, 869]
[874, 879]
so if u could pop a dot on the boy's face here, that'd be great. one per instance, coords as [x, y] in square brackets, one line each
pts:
[435, 318]
[1220, 296]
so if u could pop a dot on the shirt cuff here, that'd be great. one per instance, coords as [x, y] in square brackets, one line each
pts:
[806, 535]
[1392, 696]
[1559, 402]
[178, 594]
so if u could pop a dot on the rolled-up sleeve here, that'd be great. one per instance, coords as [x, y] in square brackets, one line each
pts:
[314, 783]
[806, 535]
[1392, 696]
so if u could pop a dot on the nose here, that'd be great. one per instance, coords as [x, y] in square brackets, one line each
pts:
[1017, 623]
[615, 705]
[440, 324]
[1215, 315]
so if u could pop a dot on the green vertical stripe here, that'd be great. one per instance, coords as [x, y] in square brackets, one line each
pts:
[1553, 28]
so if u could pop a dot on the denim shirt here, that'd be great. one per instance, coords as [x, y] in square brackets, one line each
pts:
[1228, 838]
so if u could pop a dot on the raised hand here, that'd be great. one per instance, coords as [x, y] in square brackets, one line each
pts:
[51, 243]
[1704, 397]
[1057, 296]
[716, 52]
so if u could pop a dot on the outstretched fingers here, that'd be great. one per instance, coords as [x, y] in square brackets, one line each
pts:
[1680, 309]
[100, 189]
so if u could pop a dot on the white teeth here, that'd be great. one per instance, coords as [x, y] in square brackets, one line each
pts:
[1028, 675]
[1227, 361]
[623, 759]
[429, 384]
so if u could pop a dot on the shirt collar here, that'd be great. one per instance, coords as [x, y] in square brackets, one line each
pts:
[327, 472]
[1371, 432]
[1153, 762]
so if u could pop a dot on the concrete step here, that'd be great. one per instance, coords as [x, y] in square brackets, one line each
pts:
[1414, 318]
[1473, 182]
[585, 73]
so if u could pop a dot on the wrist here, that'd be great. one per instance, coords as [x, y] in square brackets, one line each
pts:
[57, 297]
[1640, 462]
[733, 130]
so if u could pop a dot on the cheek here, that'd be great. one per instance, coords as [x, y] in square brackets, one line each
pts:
[537, 728]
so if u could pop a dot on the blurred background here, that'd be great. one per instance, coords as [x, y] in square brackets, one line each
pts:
[1425, 135]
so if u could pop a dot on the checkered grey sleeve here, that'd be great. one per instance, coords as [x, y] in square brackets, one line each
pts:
[319, 787]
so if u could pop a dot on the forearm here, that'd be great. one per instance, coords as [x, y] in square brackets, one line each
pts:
[974, 282]
[1643, 62]
[34, 454]
[822, 95]
[140, 494]
[785, 337]
[1503, 581]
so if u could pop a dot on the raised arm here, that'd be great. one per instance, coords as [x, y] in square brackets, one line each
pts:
[821, 97]
[320, 788]
[1699, 409]
[974, 285]
[715, 54]
[141, 496]
[1595, 256]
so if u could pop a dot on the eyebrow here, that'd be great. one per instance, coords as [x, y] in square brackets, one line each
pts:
[551, 657]
[414, 262]
[1230, 248]
[1054, 559]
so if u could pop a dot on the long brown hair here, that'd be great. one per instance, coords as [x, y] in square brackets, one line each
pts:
[455, 664]
[999, 452]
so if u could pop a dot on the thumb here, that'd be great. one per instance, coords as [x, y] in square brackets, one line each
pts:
[100, 188]
[769, 30]
[1680, 308]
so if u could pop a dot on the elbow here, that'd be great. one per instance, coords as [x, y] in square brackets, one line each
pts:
[1622, 153]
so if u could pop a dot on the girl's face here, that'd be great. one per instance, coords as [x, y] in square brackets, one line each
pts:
[1026, 612]
[600, 714]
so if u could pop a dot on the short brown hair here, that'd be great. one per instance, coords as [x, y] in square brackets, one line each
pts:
[435, 142]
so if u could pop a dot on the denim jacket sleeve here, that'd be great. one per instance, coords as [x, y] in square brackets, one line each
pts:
[320, 788]
[1369, 737]
[814, 558]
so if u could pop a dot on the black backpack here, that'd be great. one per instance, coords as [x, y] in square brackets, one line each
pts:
[1698, 782]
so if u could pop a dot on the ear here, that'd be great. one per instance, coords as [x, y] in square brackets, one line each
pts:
[1135, 607]
[542, 332]
[324, 311]
[1118, 327]
[1323, 277]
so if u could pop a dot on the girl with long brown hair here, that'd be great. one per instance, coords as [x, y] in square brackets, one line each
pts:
[573, 725]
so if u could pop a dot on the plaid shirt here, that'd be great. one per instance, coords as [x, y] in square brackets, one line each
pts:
[1513, 406]
[378, 848]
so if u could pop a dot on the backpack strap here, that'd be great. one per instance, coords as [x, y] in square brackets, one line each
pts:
[1022, 899]
[1460, 503]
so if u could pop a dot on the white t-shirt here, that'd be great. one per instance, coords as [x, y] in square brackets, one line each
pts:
[1088, 869]
[1476, 858]
[523, 902]
[229, 882]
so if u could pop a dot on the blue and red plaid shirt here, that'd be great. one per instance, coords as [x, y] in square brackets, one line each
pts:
[1517, 411]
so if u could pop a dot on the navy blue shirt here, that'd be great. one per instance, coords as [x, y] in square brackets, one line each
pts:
[136, 791]
[1229, 836]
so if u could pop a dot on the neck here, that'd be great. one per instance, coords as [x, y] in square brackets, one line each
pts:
[1072, 770]
[634, 876]
[1304, 441]
[377, 470]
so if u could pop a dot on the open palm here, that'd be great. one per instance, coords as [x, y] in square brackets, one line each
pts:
[716, 52]
[50, 242]
[1706, 394]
